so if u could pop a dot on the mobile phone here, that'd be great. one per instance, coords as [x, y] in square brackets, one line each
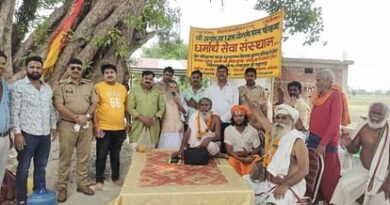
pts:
[174, 160]
[101, 133]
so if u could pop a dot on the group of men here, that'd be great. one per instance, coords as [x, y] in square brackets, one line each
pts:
[221, 118]
[74, 107]
[297, 130]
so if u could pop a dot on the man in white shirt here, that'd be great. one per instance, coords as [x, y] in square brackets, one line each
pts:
[224, 96]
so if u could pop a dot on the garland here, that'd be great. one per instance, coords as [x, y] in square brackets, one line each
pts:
[270, 149]
[208, 124]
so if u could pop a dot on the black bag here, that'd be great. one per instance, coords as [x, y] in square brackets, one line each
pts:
[196, 156]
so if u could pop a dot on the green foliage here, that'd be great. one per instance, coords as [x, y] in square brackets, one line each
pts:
[158, 16]
[42, 32]
[122, 48]
[50, 4]
[109, 38]
[113, 37]
[27, 16]
[301, 16]
[166, 50]
[24, 16]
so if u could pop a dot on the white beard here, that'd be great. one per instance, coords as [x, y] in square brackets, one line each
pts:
[376, 125]
[279, 130]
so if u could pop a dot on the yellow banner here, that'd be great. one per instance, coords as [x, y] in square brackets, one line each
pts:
[255, 44]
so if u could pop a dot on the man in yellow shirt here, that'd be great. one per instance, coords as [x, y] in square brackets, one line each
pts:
[109, 124]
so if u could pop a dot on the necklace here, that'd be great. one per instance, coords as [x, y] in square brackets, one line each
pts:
[271, 146]
[208, 124]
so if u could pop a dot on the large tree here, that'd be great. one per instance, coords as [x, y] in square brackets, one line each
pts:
[110, 30]
[175, 49]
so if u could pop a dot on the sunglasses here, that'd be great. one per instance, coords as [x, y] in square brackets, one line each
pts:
[76, 67]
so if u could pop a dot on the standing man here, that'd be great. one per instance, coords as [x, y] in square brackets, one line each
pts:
[370, 182]
[168, 73]
[109, 124]
[5, 118]
[172, 126]
[255, 92]
[294, 89]
[193, 94]
[75, 100]
[325, 120]
[146, 106]
[223, 95]
[33, 120]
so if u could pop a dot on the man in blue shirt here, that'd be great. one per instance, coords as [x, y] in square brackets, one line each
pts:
[5, 139]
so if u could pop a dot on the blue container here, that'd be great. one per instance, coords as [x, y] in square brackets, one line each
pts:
[42, 197]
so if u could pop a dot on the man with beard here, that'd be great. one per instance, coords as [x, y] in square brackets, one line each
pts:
[329, 111]
[223, 95]
[172, 126]
[241, 141]
[286, 159]
[75, 100]
[5, 104]
[255, 92]
[370, 183]
[33, 120]
[146, 106]
[110, 125]
[204, 130]
[193, 94]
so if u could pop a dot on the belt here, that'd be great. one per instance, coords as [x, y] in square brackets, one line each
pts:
[68, 121]
[3, 134]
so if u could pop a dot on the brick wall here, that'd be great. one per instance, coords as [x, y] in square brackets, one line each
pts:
[295, 70]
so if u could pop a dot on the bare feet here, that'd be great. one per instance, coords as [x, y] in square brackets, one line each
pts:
[118, 182]
[99, 186]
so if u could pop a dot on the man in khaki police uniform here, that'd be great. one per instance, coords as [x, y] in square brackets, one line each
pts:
[75, 100]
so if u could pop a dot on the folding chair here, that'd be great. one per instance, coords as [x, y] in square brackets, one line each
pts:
[313, 179]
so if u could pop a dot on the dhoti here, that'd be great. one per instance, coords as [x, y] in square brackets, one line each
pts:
[264, 192]
[353, 185]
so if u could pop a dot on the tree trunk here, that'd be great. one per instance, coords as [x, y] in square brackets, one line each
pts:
[95, 20]
[6, 15]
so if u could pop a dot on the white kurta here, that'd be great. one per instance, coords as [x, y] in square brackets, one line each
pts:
[279, 166]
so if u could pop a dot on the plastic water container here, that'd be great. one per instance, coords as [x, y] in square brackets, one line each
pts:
[42, 197]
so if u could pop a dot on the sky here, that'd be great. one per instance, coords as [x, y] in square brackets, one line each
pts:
[354, 30]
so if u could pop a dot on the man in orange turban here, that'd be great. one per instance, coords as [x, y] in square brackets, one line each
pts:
[239, 109]
[241, 141]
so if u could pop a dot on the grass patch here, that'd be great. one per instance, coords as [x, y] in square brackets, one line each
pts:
[358, 105]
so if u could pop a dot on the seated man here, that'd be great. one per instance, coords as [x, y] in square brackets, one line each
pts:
[285, 170]
[369, 183]
[242, 141]
[203, 130]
